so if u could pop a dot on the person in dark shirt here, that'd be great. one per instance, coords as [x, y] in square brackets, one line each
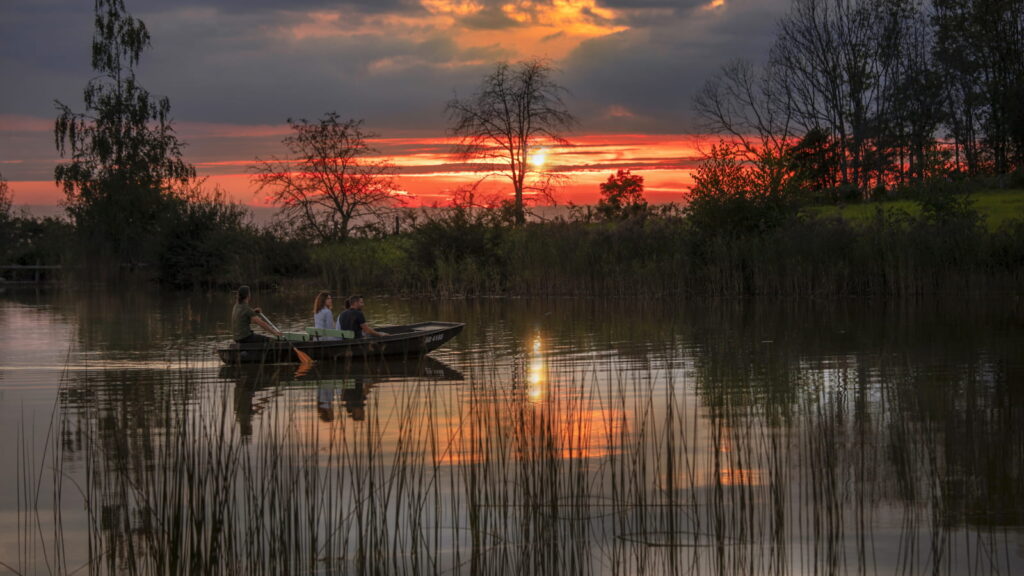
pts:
[243, 315]
[353, 319]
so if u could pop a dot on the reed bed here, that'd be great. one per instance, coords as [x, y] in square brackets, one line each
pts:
[539, 465]
[892, 254]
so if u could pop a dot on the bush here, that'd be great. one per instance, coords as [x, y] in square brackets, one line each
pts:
[26, 240]
[359, 264]
[458, 253]
[202, 243]
[731, 198]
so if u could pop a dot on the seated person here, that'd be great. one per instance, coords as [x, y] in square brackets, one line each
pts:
[322, 315]
[243, 315]
[353, 319]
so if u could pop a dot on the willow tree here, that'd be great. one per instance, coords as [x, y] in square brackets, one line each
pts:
[331, 184]
[5, 201]
[517, 109]
[123, 154]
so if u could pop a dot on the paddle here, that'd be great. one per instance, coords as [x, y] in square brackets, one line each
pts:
[303, 357]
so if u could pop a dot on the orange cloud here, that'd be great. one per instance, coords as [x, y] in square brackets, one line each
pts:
[14, 123]
[545, 29]
[617, 111]
[428, 171]
[576, 17]
[452, 7]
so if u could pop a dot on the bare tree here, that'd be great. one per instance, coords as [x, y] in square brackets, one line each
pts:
[330, 186]
[518, 108]
[754, 109]
[979, 52]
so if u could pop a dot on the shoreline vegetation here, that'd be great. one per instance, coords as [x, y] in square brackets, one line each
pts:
[948, 242]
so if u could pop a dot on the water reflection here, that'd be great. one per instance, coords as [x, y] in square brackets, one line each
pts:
[255, 386]
[731, 437]
[536, 377]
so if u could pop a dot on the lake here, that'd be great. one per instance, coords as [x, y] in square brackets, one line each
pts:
[551, 436]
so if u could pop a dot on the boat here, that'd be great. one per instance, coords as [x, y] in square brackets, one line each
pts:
[403, 340]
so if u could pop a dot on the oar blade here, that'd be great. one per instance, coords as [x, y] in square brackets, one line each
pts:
[304, 358]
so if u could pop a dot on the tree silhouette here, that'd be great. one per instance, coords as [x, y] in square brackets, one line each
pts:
[328, 187]
[517, 108]
[622, 196]
[124, 155]
[5, 201]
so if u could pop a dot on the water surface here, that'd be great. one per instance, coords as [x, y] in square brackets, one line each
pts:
[551, 436]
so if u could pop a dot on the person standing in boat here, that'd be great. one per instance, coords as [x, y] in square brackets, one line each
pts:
[243, 316]
[353, 319]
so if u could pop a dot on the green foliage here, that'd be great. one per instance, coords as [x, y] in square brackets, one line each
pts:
[275, 256]
[994, 207]
[1007, 248]
[203, 240]
[25, 240]
[946, 204]
[895, 252]
[460, 252]
[7, 235]
[732, 198]
[362, 263]
[35, 241]
[622, 196]
[5, 199]
[123, 150]
[814, 163]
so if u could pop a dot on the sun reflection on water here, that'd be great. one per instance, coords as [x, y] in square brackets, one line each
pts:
[536, 377]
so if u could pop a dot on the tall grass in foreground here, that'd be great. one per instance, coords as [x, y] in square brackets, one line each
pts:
[555, 466]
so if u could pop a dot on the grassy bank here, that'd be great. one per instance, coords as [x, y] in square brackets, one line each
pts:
[943, 243]
[945, 250]
[995, 207]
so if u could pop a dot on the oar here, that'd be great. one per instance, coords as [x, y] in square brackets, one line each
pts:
[303, 357]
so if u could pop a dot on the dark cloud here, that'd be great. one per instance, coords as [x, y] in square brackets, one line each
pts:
[644, 78]
[490, 18]
[678, 6]
[142, 7]
[235, 62]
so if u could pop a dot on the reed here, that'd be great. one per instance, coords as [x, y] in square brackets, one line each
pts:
[538, 463]
[892, 254]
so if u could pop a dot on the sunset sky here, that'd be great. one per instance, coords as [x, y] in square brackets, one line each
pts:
[235, 70]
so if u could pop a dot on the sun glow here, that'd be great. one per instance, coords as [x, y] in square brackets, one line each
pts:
[538, 158]
[428, 172]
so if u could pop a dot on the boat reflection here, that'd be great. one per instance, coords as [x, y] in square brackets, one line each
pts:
[256, 386]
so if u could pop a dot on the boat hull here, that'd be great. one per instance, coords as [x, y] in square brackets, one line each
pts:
[408, 340]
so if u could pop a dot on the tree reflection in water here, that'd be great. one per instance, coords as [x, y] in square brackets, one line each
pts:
[751, 449]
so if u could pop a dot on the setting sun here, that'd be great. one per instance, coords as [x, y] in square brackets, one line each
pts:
[538, 158]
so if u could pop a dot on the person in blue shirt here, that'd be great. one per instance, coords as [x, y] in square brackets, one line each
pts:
[323, 317]
[353, 319]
